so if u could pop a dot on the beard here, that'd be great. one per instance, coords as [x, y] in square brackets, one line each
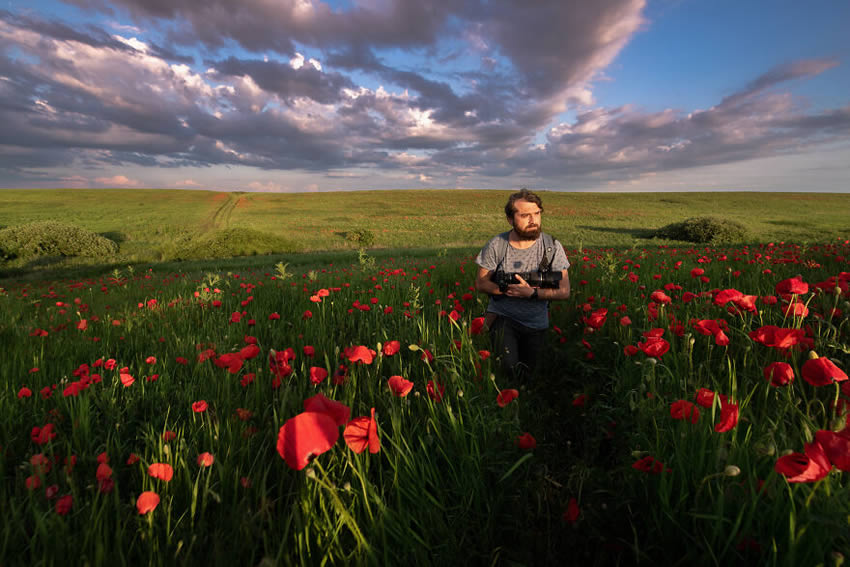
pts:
[528, 234]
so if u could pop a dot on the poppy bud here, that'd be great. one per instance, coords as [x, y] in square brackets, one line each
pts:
[731, 470]
[813, 355]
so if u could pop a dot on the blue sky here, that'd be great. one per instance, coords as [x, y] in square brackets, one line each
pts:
[302, 95]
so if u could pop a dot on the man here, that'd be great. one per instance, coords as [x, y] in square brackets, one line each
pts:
[518, 313]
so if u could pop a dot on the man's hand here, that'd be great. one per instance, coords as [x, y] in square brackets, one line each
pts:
[522, 289]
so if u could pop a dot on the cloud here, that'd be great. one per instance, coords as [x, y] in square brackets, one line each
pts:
[117, 181]
[316, 88]
[187, 183]
[266, 187]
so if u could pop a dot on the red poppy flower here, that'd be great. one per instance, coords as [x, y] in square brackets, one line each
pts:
[580, 400]
[705, 397]
[648, 464]
[794, 285]
[360, 353]
[809, 467]
[42, 435]
[274, 317]
[103, 471]
[630, 350]
[573, 512]
[821, 372]
[777, 337]
[779, 373]
[435, 393]
[132, 459]
[64, 504]
[126, 379]
[147, 502]
[728, 417]
[399, 386]
[199, 407]
[168, 435]
[659, 296]
[151, 360]
[526, 442]
[305, 436]
[162, 471]
[725, 296]
[317, 374]
[506, 396]
[24, 392]
[362, 432]
[337, 411]
[205, 459]
[654, 346]
[249, 351]
[390, 348]
[836, 446]
[684, 410]
[476, 326]
[625, 321]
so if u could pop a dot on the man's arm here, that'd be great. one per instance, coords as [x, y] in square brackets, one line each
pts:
[561, 292]
[483, 283]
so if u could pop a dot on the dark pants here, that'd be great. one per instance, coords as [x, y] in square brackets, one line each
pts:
[517, 347]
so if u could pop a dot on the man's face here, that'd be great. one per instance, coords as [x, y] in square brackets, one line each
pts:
[526, 219]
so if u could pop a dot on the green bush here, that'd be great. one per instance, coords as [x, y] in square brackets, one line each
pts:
[704, 230]
[232, 242]
[52, 238]
[364, 238]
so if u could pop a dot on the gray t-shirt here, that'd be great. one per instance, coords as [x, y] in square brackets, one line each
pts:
[531, 313]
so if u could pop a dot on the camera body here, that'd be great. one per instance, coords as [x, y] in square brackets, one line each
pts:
[548, 279]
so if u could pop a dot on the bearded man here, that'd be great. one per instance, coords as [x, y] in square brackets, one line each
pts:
[518, 312]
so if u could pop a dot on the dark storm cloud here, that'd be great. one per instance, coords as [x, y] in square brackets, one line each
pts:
[82, 95]
[286, 82]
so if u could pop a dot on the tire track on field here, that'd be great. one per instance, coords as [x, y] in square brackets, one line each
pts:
[220, 218]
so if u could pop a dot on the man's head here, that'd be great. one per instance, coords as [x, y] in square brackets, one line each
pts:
[524, 210]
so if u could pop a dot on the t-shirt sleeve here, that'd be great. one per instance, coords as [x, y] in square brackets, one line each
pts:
[487, 256]
[560, 262]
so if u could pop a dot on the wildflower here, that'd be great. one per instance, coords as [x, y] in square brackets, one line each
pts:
[305, 436]
[399, 386]
[362, 432]
[200, 406]
[435, 391]
[390, 348]
[64, 504]
[684, 410]
[205, 459]
[809, 467]
[162, 471]
[506, 396]
[147, 502]
[572, 513]
[779, 373]
[526, 441]
[821, 372]
[339, 412]
[317, 374]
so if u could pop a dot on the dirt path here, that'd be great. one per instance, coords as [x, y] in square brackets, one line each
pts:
[220, 218]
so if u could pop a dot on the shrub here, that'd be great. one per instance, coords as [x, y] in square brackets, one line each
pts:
[709, 230]
[233, 242]
[52, 238]
[364, 238]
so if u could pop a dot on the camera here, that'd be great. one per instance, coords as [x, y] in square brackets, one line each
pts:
[547, 279]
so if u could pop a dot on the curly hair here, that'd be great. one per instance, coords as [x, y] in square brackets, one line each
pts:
[524, 195]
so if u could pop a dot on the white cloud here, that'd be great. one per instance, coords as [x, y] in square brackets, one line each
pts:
[117, 181]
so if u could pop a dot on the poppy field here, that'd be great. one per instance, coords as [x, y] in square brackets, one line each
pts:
[692, 409]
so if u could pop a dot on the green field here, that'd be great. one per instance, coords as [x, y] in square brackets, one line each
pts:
[151, 225]
[659, 433]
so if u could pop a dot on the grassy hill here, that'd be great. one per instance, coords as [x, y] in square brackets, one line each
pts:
[157, 224]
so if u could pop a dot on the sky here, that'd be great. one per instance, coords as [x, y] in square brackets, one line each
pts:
[310, 95]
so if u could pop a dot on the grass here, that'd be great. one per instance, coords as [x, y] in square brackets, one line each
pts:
[146, 223]
[449, 484]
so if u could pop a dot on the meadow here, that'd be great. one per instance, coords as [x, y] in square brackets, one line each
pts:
[335, 408]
